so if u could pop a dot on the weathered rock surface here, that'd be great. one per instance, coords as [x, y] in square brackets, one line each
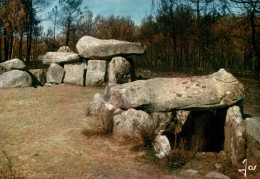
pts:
[99, 106]
[182, 116]
[253, 137]
[14, 79]
[55, 74]
[60, 57]
[235, 142]
[216, 175]
[119, 71]
[218, 90]
[161, 146]
[12, 64]
[39, 75]
[74, 73]
[131, 122]
[93, 48]
[161, 120]
[96, 73]
[64, 49]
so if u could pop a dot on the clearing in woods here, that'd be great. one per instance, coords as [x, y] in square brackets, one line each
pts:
[41, 131]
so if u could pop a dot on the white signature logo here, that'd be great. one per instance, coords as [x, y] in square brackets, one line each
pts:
[250, 167]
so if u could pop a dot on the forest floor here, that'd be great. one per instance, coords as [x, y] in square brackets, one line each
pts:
[42, 136]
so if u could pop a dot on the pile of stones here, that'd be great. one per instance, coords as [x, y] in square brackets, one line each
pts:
[206, 111]
[99, 62]
[14, 73]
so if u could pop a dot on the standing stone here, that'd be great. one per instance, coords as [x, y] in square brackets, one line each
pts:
[14, 79]
[12, 64]
[119, 71]
[253, 137]
[39, 75]
[131, 122]
[55, 74]
[74, 73]
[235, 142]
[93, 48]
[96, 73]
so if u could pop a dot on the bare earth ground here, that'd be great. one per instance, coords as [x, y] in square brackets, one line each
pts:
[41, 130]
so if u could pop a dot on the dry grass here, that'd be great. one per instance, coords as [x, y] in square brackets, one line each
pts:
[148, 135]
[107, 122]
[43, 130]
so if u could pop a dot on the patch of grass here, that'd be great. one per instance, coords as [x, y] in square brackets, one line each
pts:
[7, 169]
[148, 136]
[103, 125]
[90, 132]
[107, 122]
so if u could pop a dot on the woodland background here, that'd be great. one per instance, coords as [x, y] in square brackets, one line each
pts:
[183, 36]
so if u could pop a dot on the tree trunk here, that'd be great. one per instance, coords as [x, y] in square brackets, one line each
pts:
[30, 31]
[6, 45]
[68, 31]
[21, 45]
[29, 44]
[12, 51]
[11, 45]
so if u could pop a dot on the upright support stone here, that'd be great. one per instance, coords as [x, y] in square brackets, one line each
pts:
[55, 74]
[74, 73]
[96, 73]
[119, 71]
[235, 142]
[253, 137]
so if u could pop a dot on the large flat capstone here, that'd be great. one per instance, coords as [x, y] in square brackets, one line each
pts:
[220, 89]
[11, 65]
[60, 57]
[93, 48]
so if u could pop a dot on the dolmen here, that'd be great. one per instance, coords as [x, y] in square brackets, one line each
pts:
[205, 111]
[98, 62]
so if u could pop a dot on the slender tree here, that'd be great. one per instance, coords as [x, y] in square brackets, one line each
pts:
[72, 10]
